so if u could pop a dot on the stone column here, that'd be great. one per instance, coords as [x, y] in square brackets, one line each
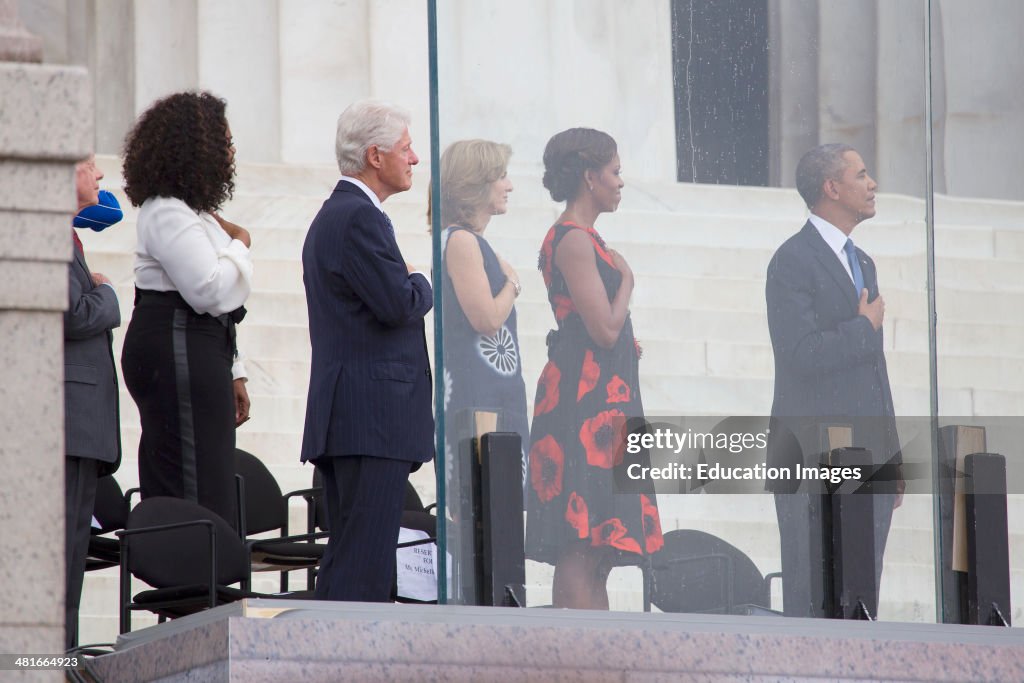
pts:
[984, 100]
[239, 60]
[396, 30]
[324, 56]
[45, 127]
[901, 98]
[793, 79]
[520, 72]
[112, 66]
[99, 35]
[166, 50]
[16, 43]
[847, 75]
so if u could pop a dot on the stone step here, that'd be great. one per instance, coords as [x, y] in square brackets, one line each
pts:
[725, 359]
[316, 180]
[283, 300]
[518, 240]
[906, 331]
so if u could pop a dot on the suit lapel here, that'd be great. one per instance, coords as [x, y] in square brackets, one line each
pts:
[830, 263]
[350, 188]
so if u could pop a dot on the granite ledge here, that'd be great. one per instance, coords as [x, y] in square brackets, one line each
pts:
[283, 640]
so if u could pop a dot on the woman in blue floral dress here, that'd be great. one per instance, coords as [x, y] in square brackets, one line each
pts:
[482, 363]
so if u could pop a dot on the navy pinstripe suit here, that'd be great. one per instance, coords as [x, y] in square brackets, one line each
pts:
[368, 412]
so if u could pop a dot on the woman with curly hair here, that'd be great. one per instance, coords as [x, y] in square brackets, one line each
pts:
[589, 388]
[193, 273]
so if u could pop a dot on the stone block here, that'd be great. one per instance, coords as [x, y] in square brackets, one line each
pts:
[46, 113]
[740, 360]
[908, 367]
[35, 235]
[37, 186]
[960, 338]
[977, 211]
[283, 377]
[277, 307]
[35, 285]
[31, 454]
[37, 640]
[1004, 401]
[1010, 244]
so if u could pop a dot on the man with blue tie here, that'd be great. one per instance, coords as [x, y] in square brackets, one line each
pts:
[825, 319]
[368, 413]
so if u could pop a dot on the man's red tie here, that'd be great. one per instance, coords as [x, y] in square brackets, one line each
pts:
[78, 242]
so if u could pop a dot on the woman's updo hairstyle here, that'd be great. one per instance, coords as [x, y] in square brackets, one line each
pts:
[569, 153]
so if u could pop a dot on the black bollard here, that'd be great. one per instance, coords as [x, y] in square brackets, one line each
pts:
[852, 521]
[988, 552]
[501, 552]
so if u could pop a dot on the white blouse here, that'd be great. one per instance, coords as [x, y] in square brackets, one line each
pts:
[188, 252]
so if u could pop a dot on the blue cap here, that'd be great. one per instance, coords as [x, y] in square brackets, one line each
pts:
[100, 216]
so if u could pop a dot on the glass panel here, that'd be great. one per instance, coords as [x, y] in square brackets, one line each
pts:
[979, 215]
[710, 107]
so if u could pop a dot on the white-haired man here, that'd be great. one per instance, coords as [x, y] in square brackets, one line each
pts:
[368, 414]
[92, 437]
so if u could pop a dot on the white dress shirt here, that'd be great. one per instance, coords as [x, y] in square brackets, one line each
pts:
[188, 252]
[835, 239]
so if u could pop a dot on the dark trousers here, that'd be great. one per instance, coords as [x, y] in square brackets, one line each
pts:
[802, 536]
[80, 475]
[365, 497]
[177, 367]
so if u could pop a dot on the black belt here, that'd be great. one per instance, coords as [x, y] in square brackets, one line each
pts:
[174, 299]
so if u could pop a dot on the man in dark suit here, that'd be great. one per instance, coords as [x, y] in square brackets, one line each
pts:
[91, 421]
[368, 415]
[825, 319]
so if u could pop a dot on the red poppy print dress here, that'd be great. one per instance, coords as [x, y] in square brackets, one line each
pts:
[585, 395]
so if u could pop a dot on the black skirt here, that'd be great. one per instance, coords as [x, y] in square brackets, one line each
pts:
[177, 367]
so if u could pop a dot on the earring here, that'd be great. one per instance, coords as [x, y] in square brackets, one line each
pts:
[590, 187]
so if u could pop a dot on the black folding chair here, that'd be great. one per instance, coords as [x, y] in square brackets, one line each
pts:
[189, 555]
[698, 572]
[265, 509]
[111, 511]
